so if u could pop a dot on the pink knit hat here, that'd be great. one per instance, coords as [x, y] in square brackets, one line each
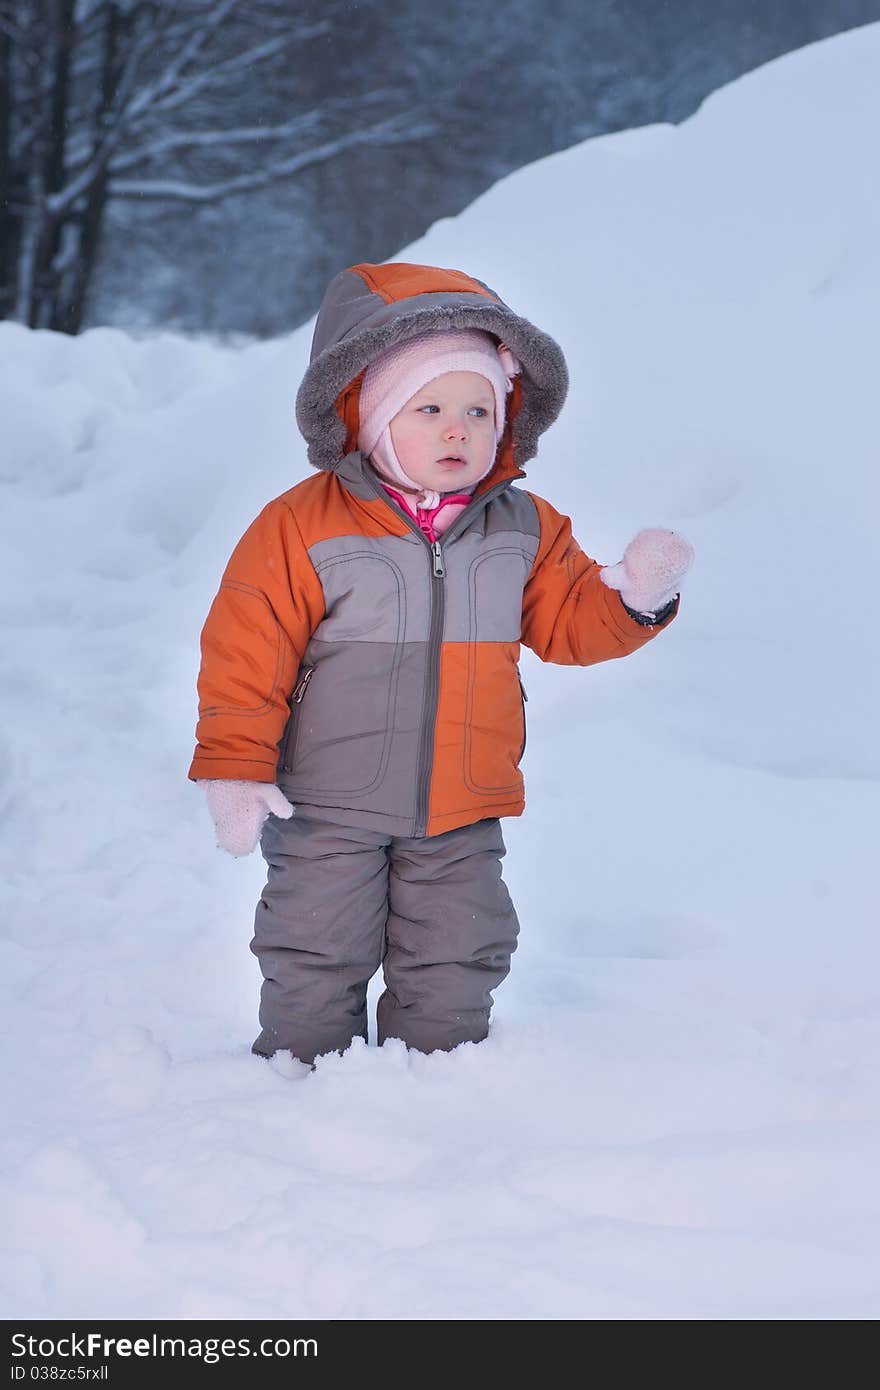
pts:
[397, 374]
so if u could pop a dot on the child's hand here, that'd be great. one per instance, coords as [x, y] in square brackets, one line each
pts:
[238, 810]
[650, 572]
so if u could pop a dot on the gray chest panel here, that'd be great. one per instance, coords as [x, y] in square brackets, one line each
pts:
[379, 589]
[376, 589]
[485, 578]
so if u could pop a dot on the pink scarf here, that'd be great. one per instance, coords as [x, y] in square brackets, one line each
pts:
[434, 520]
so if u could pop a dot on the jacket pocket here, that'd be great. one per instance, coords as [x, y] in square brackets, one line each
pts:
[288, 746]
[494, 721]
[343, 720]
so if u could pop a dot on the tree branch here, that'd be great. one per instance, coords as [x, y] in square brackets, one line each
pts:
[200, 80]
[393, 132]
[57, 203]
[125, 116]
[29, 51]
[300, 125]
[199, 39]
[205, 139]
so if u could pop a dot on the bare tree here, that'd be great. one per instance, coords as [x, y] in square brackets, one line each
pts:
[131, 99]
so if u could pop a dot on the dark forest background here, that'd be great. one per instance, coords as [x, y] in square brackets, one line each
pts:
[208, 165]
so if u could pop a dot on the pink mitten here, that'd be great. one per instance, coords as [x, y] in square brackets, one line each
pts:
[649, 574]
[238, 810]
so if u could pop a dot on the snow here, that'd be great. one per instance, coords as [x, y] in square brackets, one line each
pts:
[674, 1115]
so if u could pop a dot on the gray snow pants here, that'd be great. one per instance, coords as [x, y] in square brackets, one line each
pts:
[339, 902]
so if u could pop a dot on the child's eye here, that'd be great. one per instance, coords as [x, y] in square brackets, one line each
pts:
[481, 408]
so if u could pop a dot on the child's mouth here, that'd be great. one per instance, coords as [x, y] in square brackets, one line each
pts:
[453, 462]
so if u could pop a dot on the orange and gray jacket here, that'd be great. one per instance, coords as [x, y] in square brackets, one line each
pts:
[372, 673]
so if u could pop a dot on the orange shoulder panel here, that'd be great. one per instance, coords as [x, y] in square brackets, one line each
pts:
[322, 507]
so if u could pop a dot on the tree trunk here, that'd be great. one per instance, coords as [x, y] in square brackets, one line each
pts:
[70, 311]
[8, 216]
[45, 276]
[31, 237]
[76, 282]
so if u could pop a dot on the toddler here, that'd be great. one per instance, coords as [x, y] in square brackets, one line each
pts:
[361, 712]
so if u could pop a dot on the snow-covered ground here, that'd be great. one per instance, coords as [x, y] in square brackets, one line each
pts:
[675, 1113]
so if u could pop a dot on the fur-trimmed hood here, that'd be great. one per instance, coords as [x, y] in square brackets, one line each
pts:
[367, 308]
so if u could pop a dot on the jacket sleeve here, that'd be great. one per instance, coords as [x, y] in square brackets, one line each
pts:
[569, 616]
[268, 605]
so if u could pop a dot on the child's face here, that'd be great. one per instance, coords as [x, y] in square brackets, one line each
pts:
[452, 415]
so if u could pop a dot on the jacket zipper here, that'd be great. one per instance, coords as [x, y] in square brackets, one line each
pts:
[425, 765]
[296, 696]
[302, 685]
[432, 689]
[522, 691]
